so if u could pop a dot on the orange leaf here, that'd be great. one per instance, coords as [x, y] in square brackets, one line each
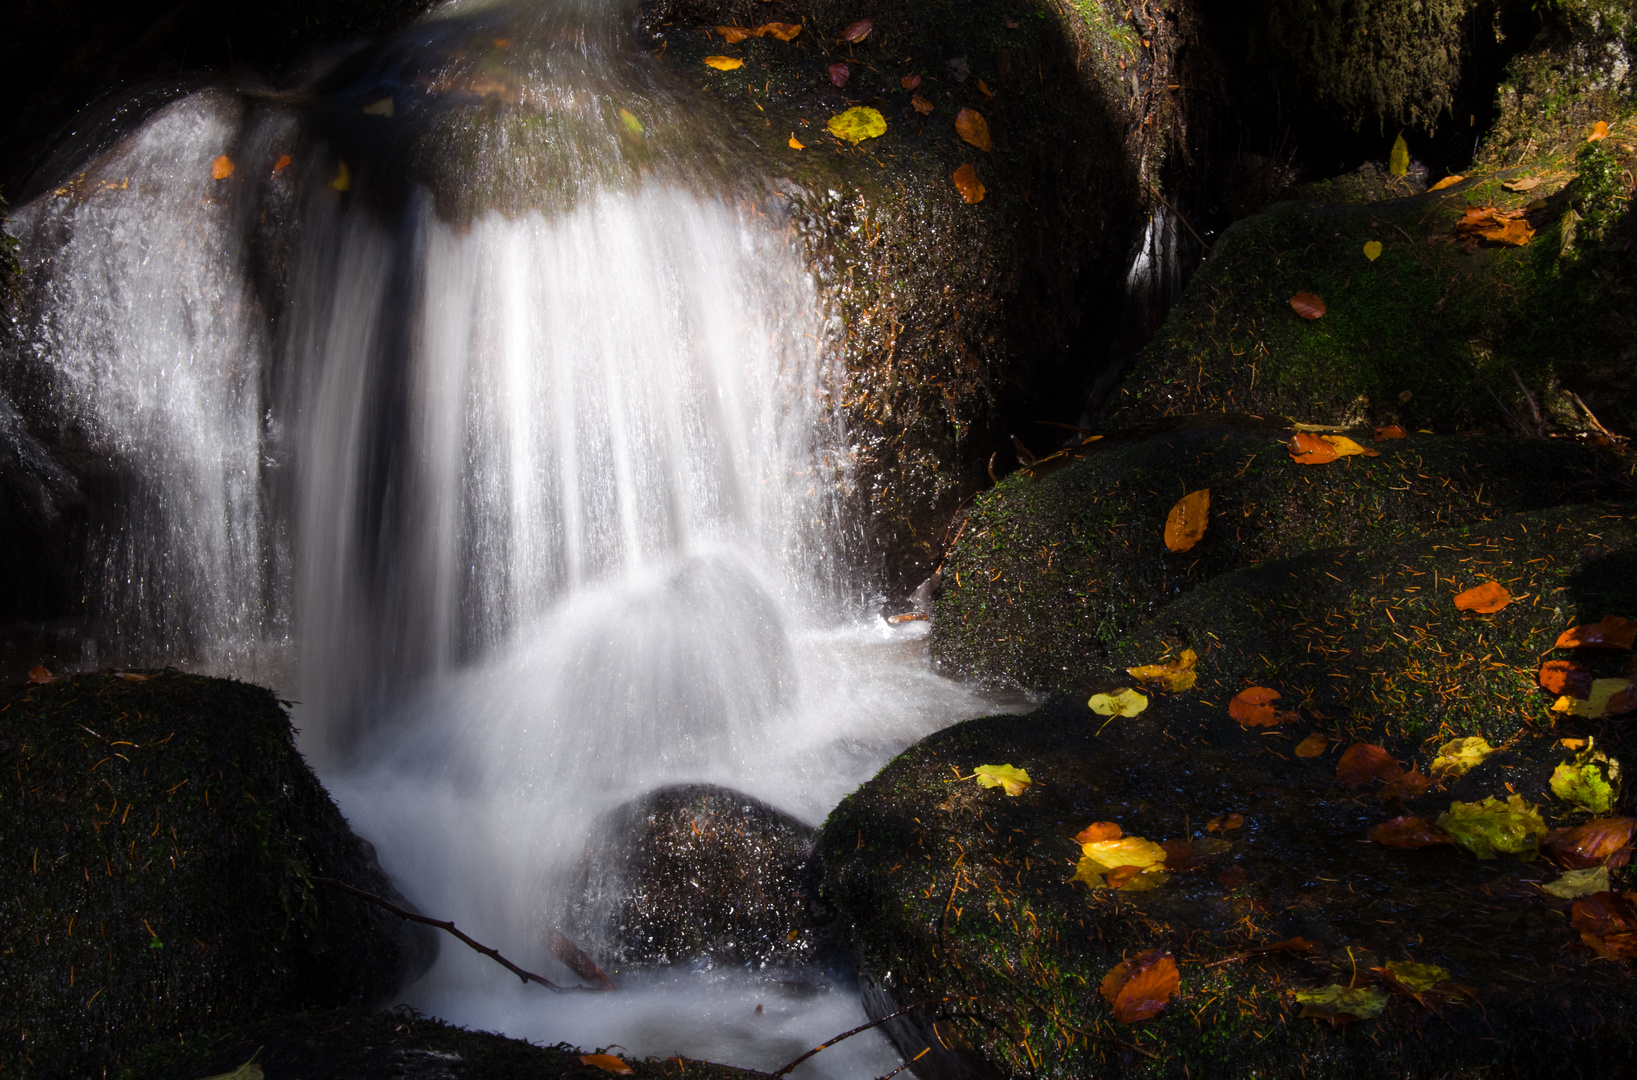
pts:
[1588, 845]
[1225, 823]
[1495, 225]
[1309, 449]
[985, 91]
[1600, 131]
[724, 63]
[735, 34]
[857, 32]
[839, 74]
[784, 31]
[971, 126]
[1185, 525]
[1120, 875]
[968, 184]
[1254, 707]
[1609, 632]
[1409, 832]
[221, 168]
[1307, 305]
[1364, 762]
[1391, 431]
[910, 82]
[40, 676]
[1566, 677]
[1485, 599]
[608, 1063]
[1408, 786]
[1448, 181]
[1139, 988]
[921, 104]
[284, 159]
[797, 144]
[1098, 830]
[1312, 746]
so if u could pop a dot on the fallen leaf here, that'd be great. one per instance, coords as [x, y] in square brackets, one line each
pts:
[1485, 599]
[1460, 756]
[1176, 676]
[248, 1071]
[1577, 883]
[985, 91]
[1308, 449]
[1398, 161]
[1590, 844]
[1603, 913]
[1002, 776]
[839, 74]
[1140, 987]
[1097, 831]
[1493, 827]
[1609, 632]
[1346, 447]
[1408, 831]
[1183, 856]
[1253, 707]
[910, 82]
[921, 105]
[1372, 250]
[724, 63]
[782, 30]
[1391, 431]
[384, 107]
[908, 616]
[1617, 946]
[1591, 782]
[795, 143]
[608, 1063]
[1124, 851]
[857, 32]
[1414, 977]
[40, 676]
[1225, 823]
[1232, 877]
[1527, 183]
[967, 183]
[857, 124]
[1495, 225]
[1121, 876]
[1307, 305]
[1448, 181]
[1364, 762]
[1599, 131]
[283, 161]
[1341, 1005]
[1608, 697]
[1121, 702]
[1312, 746]
[734, 34]
[1185, 524]
[974, 129]
[221, 168]
[1409, 786]
[1566, 677]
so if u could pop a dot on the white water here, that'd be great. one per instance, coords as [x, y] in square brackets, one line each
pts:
[532, 513]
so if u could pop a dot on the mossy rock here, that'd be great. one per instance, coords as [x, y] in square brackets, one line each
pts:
[161, 837]
[965, 897]
[1047, 573]
[352, 1044]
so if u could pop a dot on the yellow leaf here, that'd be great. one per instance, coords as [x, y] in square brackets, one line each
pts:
[857, 124]
[1416, 978]
[1448, 181]
[629, 119]
[1577, 883]
[1185, 524]
[1124, 851]
[1122, 702]
[795, 143]
[608, 1063]
[1336, 1001]
[1346, 447]
[974, 129]
[1003, 776]
[343, 177]
[1398, 162]
[780, 30]
[1492, 827]
[724, 63]
[379, 108]
[1179, 674]
[1372, 250]
[1599, 131]
[1459, 756]
[1596, 705]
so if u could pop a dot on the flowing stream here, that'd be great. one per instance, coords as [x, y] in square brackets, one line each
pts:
[480, 418]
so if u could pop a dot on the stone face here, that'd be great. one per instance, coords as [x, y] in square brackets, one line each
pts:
[160, 833]
[697, 873]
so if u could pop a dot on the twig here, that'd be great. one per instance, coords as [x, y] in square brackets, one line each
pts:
[1534, 407]
[1184, 221]
[906, 1064]
[1592, 417]
[849, 1034]
[493, 954]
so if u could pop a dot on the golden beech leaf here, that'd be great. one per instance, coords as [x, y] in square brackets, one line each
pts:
[1346, 447]
[1009, 779]
[1122, 702]
[857, 124]
[974, 129]
[1364, 762]
[795, 143]
[221, 168]
[921, 105]
[1448, 181]
[1312, 746]
[1178, 675]
[1460, 756]
[782, 30]
[1391, 431]
[1097, 831]
[1124, 851]
[967, 183]
[608, 1063]
[1485, 599]
[857, 32]
[1253, 707]
[1139, 988]
[1307, 305]
[1309, 449]
[735, 34]
[1185, 525]
[1372, 250]
[1409, 832]
[724, 63]
[1609, 632]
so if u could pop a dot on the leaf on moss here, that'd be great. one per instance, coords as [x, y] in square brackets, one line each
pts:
[1492, 827]
[1414, 977]
[1185, 524]
[221, 168]
[974, 129]
[1372, 250]
[839, 74]
[1398, 161]
[1524, 183]
[1312, 746]
[1121, 702]
[1460, 756]
[1253, 707]
[1176, 676]
[1577, 883]
[1409, 832]
[608, 1063]
[857, 124]
[1139, 988]
[969, 185]
[724, 63]
[1340, 1004]
[1567, 678]
[1609, 632]
[1591, 844]
[1485, 599]
[1391, 431]
[1308, 449]
[1495, 225]
[857, 32]
[1307, 305]
[1448, 181]
[1002, 776]
[1364, 762]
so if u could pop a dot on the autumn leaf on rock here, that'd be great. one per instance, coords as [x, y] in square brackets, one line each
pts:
[1492, 827]
[921, 105]
[1307, 305]
[1526, 183]
[1609, 632]
[974, 129]
[1409, 831]
[1253, 707]
[1176, 676]
[1140, 987]
[724, 63]
[282, 162]
[1002, 776]
[1309, 449]
[1341, 1005]
[1372, 250]
[1364, 762]
[967, 183]
[1485, 599]
[857, 32]
[1448, 181]
[1495, 225]
[734, 34]
[795, 143]
[1121, 702]
[1391, 431]
[1590, 844]
[608, 1063]
[1460, 756]
[910, 82]
[857, 124]
[1346, 447]
[839, 74]
[1185, 525]
[1566, 677]
[1409, 786]
[1098, 831]
[782, 30]
[1311, 747]
[1577, 883]
[1123, 851]
[221, 168]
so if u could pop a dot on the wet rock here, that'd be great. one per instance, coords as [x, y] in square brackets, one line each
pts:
[697, 873]
[1047, 574]
[162, 832]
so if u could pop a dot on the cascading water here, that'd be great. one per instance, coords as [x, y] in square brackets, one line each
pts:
[455, 410]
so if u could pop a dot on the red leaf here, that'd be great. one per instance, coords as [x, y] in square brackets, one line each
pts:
[1408, 786]
[1588, 845]
[1139, 988]
[1609, 632]
[1391, 431]
[1364, 762]
[1604, 913]
[1485, 599]
[40, 676]
[839, 74]
[1409, 832]
[1308, 449]
[1307, 305]
[857, 32]
[1566, 677]
[1100, 830]
[1254, 708]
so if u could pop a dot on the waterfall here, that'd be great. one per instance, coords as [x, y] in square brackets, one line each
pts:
[461, 397]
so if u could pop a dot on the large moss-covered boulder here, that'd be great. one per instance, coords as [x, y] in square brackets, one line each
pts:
[1048, 571]
[161, 837]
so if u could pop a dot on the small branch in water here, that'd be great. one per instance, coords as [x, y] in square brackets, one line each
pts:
[906, 1064]
[860, 1028]
[476, 946]
[1184, 221]
[1534, 407]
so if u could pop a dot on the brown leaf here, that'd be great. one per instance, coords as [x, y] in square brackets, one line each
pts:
[1008, 22]
[1526, 183]
[1391, 431]
[1312, 746]
[1182, 856]
[221, 168]
[782, 30]
[1566, 677]
[1185, 525]
[735, 34]
[1621, 945]
[921, 105]
[1253, 707]
[1604, 913]
[1408, 786]
[857, 32]
[1139, 988]
[1308, 449]
[40, 676]
[972, 127]
[1409, 832]
[911, 82]
[1364, 762]
[839, 74]
[1096, 831]
[1609, 632]
[1232, 877]
[1586, 846]
[1121, 875]
[1307, 305]
[967, 183]
[1225, 823]
[1495, 225]
[1485, 599]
